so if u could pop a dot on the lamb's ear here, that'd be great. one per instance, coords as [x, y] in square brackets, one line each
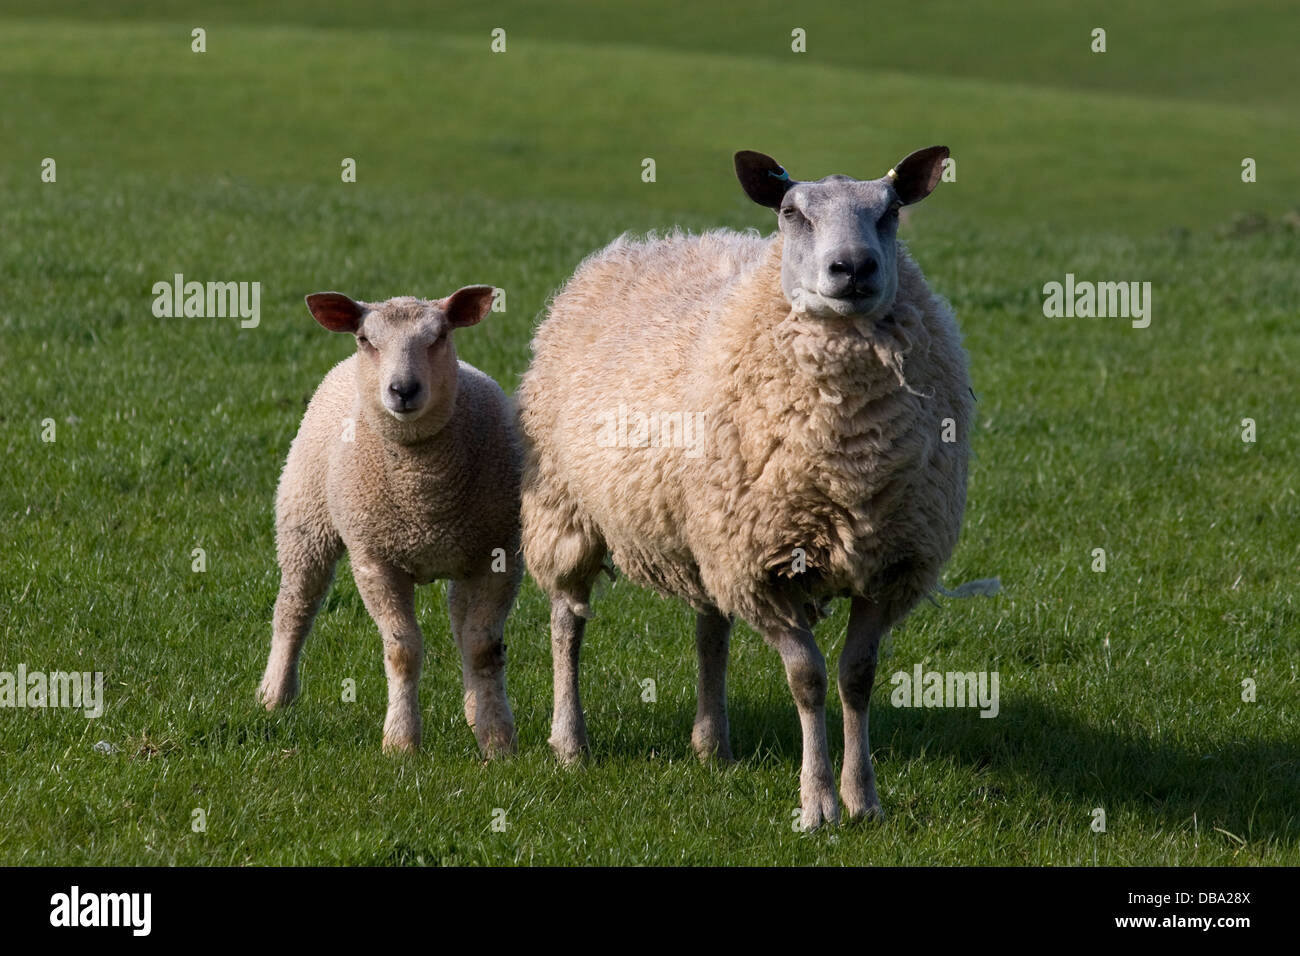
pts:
[764, 179]
[336, 311]
[917, 175]
[469, 305]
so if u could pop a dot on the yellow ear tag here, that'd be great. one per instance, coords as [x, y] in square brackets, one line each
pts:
[892, 176]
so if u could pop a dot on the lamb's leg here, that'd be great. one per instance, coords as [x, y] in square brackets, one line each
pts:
[711, 737]
[307, 566]
[805, 670]
[568, 728]
[857, 674]
[389, 595]
[478, 609]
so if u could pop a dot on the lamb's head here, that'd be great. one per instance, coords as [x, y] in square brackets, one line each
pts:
[406, 363]
[839, 247]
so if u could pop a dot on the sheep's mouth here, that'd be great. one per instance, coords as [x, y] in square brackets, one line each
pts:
[405, 412]
[820, 306]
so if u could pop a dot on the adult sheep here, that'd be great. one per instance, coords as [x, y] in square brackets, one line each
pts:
[830, 399]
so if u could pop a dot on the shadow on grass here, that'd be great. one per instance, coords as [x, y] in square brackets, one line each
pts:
[1249, 787]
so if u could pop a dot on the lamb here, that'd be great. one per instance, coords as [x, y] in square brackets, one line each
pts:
[409, 459]
[831, 392]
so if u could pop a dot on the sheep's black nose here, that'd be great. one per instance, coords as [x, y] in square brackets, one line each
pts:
[849, 274]
[405, 390]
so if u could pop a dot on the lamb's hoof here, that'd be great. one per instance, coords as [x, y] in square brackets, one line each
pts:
[819, 806]
[275, 696]
[570, 752]
[401, 743]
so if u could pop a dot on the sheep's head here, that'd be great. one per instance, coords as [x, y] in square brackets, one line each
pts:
[406, 363]
[840, 253]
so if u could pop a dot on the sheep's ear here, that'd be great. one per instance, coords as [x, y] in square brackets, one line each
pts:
[336, 311]
[764, 179]
[917, 175]
[469, 305]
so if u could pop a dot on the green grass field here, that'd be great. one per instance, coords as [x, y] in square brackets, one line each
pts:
[1120, 690]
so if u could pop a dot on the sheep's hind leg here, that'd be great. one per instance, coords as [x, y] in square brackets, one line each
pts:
[805, 670]
[307, 567]
[711, 736]
[568, 727]
[478, 609]
[857, 675]
[389, 595]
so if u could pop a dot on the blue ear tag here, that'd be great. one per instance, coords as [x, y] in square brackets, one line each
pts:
[784, 177]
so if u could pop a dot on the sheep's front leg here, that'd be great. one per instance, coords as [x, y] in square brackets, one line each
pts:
[389, 595]
[307, 567]
[568, 728]
[805, 670]
[478, 609]
[711, 737]
[857, 675]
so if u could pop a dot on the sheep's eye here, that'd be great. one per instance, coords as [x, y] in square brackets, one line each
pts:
[364, 342]
[792, 215]
[891, 214]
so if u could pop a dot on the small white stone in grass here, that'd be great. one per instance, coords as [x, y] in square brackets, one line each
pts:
[104, 747]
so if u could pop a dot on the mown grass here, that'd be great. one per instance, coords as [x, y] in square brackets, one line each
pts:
[1120, 690]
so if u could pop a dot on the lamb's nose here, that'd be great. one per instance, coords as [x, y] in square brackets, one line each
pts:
[405, 390]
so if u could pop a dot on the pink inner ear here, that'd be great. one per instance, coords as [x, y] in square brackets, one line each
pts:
[335, 311]
[936, 171]
[469, 306]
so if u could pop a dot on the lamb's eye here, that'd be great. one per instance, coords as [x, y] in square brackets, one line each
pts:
[793, 217]
[891, 214]
[364, 342]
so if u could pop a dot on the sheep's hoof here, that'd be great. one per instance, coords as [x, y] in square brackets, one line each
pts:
[861, 803]
[570, 753]
[818, 807]
[711, 740]
[499, 743]
[273, 698]
[716, 758]
[714, 753]
[401, 745]
[870, 813]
